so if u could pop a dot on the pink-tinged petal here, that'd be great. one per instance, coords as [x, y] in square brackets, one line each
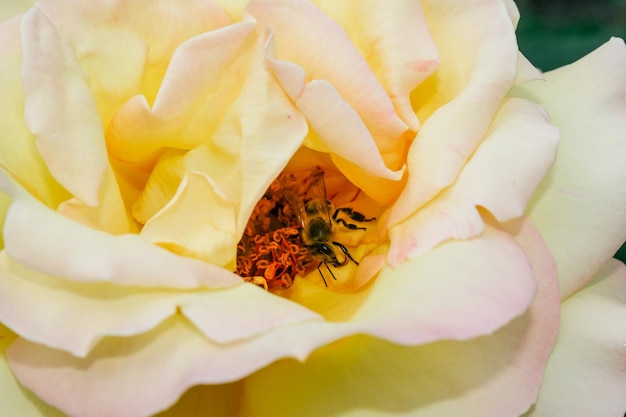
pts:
[586, 374]
[14, 399]
[177, 350]
[198, 221]
[491, 376]
[338, 129]
[579, 206]
[341, 129]
[395, 41]
[60, 110]
[315, 42]
[139, 133]
[18, 152]
[456, 104]
[500, 177]
[46, 241]
[169, 360]
[33, 305]
[459, 290]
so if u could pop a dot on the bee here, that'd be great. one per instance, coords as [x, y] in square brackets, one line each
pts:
[309, 202]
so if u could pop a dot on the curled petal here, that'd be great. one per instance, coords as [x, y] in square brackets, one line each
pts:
[456, 105]
[394, 39]
[312, 40]
[139, 133]
[500, 177]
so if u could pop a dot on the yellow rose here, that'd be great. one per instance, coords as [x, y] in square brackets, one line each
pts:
[144, 145]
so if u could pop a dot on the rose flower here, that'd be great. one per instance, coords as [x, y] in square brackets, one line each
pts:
[284, 207]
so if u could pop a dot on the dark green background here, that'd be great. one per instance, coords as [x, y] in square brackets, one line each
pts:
[552, 33]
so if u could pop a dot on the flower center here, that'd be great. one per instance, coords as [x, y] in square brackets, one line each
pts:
[292, 231]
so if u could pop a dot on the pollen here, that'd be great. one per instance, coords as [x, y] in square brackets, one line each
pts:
[271, 252]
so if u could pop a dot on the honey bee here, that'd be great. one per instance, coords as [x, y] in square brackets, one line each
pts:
[309, 202]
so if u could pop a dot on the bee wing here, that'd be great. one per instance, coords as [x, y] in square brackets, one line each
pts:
[315, 192]
[290, 189]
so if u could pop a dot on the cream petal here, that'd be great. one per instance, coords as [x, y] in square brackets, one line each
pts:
[109, 215]
[125, 46]
[60, 110]
[139, 133]
[395, 41]
[585, 375]
[526, 71]
[312, 40]
[579, 204]
[456, 104]
[15, 7]
[18, 152]
[500, 177]
[46, 241]
[198, 221]
[494, 375]
[254, 138]
[14, 399]
[34, 304]
[459, 290]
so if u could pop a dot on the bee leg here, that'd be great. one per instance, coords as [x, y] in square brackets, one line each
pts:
[345, 251]
[349, 225]
[330, 270]
[322, 275]
[353, 215]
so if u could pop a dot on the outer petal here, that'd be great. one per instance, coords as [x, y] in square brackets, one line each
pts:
[458, 291]
[456, 105]
[15, 400]
[579, 205]
[50, 243]
[60, 109]
[492, 376]
[586, 374]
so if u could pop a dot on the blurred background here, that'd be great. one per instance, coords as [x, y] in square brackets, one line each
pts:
[553, 33]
